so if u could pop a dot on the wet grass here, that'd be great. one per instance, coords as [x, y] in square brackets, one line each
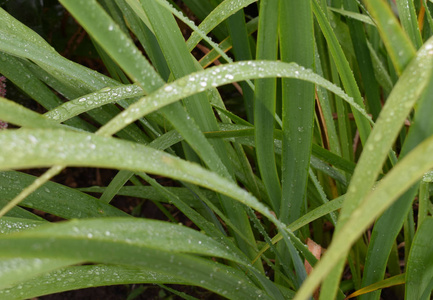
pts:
[299, 126]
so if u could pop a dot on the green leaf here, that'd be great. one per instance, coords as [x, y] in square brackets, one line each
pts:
[94, 100]
[216, 76]
[356, 16]
[389, 282]
[409, 21]
[265, 99]
[37, 148]
[399, 47]
[217, 16]
[408, 89]
[81, 277]
[54, 198]
[419, 272]
[14, 271]
[344, 70]
[143, 243]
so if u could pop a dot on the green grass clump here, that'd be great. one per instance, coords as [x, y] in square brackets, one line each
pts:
[313, 124]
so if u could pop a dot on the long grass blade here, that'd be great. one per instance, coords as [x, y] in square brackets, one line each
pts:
[404, 95]
[265, 103]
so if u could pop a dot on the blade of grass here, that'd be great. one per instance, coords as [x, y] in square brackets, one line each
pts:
[17, 270]
[19, 115]
[145, 35]
[115, 185]
[309, 217]
[198, 106]
[393, 218]
[20, 41]
[365, 64]
[242, 51]
[398, 105]
[344, 69]
[55, 199]
[91, 150]
[389, 282]
[198, 82]
[148, 192]
[296, 32]
[419, 270]
[400, 48]
[164, 247]
[197, 30]
[351, 14]
[94, 100]
[81, 277]
[265, 103]
[37, 183]
[409, 21]
[214, 18]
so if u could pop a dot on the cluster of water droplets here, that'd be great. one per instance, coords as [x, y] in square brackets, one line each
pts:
[94, 100]
[9, 226]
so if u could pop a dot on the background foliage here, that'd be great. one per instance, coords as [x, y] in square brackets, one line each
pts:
[263, 132]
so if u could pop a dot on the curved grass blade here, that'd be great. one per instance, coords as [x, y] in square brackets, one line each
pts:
[31, 148]
[217, 16]
[356, 16]
[134, 232]
[146, 243]
[16, 114]
[309, 217]
[91, 101]
[393, 219]
[15, 271]
[226, 45]
[199, 116]
[398, 180]
[81, 277]
[140, 70]
[48, 147]
[216, 76]
[17, 72]
[229, 9]
[389, 282]
[18, 40]
[406, 92]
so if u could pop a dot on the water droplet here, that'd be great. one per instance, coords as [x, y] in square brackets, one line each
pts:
[377, 137]
[105, 89]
